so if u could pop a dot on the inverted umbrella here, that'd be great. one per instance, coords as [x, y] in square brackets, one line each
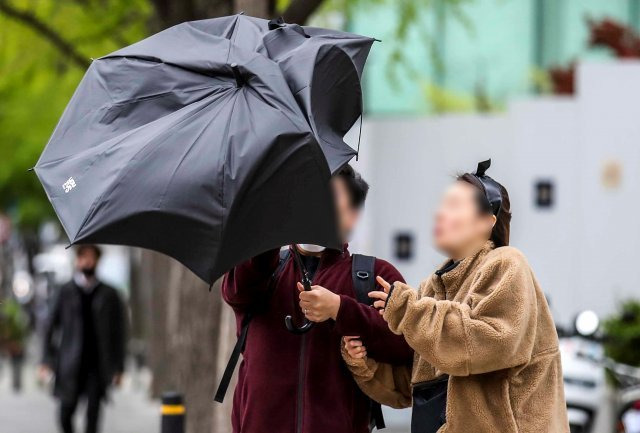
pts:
[197, 144]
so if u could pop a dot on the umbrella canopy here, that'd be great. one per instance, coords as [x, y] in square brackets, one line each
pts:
[211, 141]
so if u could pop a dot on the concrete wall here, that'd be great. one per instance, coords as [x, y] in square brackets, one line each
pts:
[583, 249]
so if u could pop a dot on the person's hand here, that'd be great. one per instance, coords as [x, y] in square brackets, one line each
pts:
[117, 379]
[319, 304]
[44, 374]
[355, 348]
[380, 296]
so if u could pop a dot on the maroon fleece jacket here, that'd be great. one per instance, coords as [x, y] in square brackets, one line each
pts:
[298, 383]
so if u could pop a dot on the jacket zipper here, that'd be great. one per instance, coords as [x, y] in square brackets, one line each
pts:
[300, 402]
[301, 369]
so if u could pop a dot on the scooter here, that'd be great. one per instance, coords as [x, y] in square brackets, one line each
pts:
[602, 396]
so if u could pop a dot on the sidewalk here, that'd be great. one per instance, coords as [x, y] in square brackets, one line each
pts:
[34, 410]
[130, 410]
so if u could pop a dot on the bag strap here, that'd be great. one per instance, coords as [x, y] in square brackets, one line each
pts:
[363, 276]
[242, 338]
[377, 417]
[364, 281]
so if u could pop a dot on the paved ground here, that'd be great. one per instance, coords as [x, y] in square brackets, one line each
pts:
[34, 411]
[130, 411]
[398, 421]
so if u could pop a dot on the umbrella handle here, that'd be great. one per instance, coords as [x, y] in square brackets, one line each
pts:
[291, 327]
[288, 320]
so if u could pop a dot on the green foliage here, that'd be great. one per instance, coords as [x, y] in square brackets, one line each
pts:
[622, 331]
[422, 19]
[13, 323]
[444, 100]
[37, 80]
[541, 80]
[447, 101]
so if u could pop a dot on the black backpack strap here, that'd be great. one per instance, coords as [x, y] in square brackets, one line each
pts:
[233, 359]
[363, 276]
[242, 339]
[364, 281]
[377, 418]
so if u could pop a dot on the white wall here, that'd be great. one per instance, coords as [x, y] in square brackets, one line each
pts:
[582, 249]
[546, 147]
[609, 100]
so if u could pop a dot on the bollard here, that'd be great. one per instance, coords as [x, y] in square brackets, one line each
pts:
[173, 413]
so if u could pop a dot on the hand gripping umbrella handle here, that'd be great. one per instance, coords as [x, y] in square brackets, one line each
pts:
[306, 282]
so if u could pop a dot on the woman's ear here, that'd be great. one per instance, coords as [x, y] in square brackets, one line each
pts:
[490, 221]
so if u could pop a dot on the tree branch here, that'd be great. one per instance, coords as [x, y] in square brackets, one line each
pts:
[43, 29]
[299, 11]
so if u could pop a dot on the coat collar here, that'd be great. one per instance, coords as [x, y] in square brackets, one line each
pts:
[450, 275]
[331, 256]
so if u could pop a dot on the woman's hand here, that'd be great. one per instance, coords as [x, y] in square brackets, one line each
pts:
[354, 347]
[381, 296]
[319, 304]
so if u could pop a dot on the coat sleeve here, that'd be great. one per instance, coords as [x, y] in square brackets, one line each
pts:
[51, 326]
[119, 330]
[493, 331]
[248, 283]
[364, 321]
[385, 383]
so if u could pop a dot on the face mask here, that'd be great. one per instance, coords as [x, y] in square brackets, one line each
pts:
[312, 248]
[88, 272]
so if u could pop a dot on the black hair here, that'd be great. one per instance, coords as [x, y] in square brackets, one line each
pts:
[80, 249]
[502, 228]
[356, 185]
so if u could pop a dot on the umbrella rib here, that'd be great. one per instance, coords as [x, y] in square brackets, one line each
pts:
[224, 166]
[157, 60]
[234, 34]
[189, 148]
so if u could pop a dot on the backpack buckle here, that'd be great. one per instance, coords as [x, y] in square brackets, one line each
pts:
[363, 275]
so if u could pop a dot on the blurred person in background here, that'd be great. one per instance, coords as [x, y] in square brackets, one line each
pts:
[84, 341]
[487, 355]
[291, 383]
[14, 332]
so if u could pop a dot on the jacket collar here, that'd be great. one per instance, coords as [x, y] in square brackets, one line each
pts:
[84, 284]
[450, 275]
[330, 256]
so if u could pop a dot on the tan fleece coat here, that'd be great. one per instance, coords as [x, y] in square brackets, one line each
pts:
[485, 323]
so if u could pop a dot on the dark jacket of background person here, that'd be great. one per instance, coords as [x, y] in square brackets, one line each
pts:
[63, 341]
[298, 383]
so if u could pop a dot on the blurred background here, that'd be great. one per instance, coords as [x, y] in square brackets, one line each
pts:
[549, 90]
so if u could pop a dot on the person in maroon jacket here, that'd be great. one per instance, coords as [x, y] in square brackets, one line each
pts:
[291, 383]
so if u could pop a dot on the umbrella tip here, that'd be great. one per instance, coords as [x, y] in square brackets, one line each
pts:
[237, 75]
[30, 169]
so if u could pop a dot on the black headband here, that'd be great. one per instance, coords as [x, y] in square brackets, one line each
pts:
[490, 186]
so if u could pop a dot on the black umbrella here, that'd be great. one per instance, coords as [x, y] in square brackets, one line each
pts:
[211, 141]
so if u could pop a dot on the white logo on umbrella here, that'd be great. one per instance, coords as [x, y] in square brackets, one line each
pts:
[69, 185]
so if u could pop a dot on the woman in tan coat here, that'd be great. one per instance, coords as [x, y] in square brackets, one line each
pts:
[486, 349]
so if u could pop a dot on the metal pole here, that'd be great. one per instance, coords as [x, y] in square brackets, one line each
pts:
[173, 413]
